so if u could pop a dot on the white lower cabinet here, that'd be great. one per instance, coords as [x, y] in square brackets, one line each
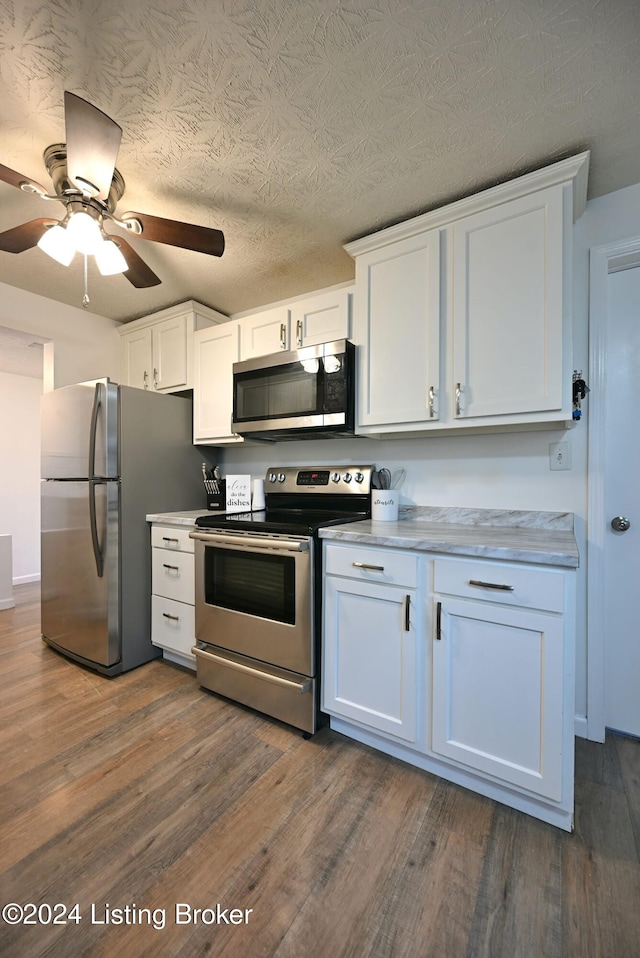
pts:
[370, 655]
[479, 689]
[173, 598]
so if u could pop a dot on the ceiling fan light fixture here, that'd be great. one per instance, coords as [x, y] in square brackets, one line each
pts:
[84, 232]
[57, 244]
[109, 259]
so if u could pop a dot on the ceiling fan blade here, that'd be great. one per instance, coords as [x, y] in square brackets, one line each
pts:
[93, 141]
[24, 237]
[201, 239]
[139, 274]
[17, 179]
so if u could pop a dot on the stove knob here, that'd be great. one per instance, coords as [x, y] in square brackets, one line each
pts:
[281, 477]
[272, 477]
[335, 477]
[358, 477]
[347, 477]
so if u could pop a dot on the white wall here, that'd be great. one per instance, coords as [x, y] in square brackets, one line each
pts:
[20, 473]
[85, 346]
[82, 346]
[508, 471]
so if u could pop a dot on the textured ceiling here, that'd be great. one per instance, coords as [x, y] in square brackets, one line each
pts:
[298, 126]
[21, 353]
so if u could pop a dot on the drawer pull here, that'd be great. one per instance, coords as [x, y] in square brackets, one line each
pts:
[490, 585]
[174, 568]
[439, 621]
[174, 618]
[370, 568]
[169, 539]
[407, 613]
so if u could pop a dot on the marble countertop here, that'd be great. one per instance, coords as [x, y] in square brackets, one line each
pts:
[536, 537]
[182, 518]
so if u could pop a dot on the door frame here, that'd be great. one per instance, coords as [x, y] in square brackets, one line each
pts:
[603, 260]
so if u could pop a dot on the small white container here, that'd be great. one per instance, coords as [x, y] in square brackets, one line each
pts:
[257, 494]
[384, 505]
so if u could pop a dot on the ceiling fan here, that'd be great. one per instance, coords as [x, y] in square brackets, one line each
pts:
[87, 183]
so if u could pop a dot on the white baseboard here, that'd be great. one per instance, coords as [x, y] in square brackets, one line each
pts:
[6, 604]
[580, 726]
[22, 579]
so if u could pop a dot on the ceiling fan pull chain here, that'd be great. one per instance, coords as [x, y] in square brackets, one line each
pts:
[85, 298]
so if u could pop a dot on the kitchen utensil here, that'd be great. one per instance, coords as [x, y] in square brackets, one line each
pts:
[398, 477]
[384, 477]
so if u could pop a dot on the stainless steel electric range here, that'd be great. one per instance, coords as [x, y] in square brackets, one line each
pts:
[259, 590]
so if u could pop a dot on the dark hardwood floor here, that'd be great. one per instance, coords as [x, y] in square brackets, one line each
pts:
[144, 792]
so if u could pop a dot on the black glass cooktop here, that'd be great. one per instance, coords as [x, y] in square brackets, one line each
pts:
[291, 521]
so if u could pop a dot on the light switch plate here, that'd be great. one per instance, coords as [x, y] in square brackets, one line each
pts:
[559, 455]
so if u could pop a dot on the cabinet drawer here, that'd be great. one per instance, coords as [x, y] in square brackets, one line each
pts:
[500, 582]
[173, 575]
[172, 625]
[171, 537]
[372, 565]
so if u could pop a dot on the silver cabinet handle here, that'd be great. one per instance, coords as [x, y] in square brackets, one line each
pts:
[145, 379]
[301, 687]
[407, 613]
[169, 539]
[175, 618]
[458, 395]
[283, 336]
[432, 394]
[155, 378]
[175, 568]
[299, 332]
[439, 621]
[490, 585]
[365, 565]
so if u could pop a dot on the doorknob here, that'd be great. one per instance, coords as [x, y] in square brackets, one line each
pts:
[620, 523]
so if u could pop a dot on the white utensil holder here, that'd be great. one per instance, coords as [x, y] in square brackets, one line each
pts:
[384, 505]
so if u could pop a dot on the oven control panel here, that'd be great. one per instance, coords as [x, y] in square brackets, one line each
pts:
[328, 479]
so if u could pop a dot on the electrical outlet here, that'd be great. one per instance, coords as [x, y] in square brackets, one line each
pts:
[560, 455]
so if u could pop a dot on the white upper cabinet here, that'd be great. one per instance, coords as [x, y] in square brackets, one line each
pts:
[215, 350]
[264, 332]
[321, 318]
[157, 350]
[508, 307]
[318, 318]
[398, 299]
[463, 314]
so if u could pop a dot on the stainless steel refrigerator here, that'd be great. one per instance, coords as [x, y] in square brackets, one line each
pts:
[110, 455]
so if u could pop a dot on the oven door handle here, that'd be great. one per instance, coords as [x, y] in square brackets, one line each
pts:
[246, 543]
[301, 687]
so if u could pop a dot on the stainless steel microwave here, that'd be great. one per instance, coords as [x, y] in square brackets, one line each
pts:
[304, 393]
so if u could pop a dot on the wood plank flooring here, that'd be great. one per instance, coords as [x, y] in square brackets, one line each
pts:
[144, 791]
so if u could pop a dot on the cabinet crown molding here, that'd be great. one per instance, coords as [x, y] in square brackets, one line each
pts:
[190, 306]
[573, 170]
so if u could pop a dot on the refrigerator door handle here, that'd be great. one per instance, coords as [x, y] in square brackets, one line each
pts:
[93, 431]
[97, 548]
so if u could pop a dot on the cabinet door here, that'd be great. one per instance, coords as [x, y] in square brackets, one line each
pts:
[137, 360]
[170, 354]
[370, 655]
[497, 693]
[398, 332]
[215, 350]
[321, 319]
[264, 333]
[508, 307]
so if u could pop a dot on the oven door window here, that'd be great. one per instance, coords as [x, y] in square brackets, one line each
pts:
[251, 582]
[279, 392]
